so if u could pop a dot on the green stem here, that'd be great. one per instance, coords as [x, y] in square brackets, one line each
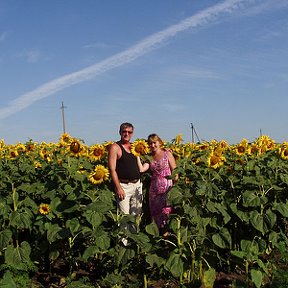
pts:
[179, 231]
[145, 281]
[14, 198]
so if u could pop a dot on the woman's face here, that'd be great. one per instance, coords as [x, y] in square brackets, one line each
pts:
[154, 145]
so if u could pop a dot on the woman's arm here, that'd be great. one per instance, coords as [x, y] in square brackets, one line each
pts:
[172, 164]
[142, 167]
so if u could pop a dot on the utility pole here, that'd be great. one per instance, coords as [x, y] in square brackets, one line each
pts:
[63, 117]
[193, 130]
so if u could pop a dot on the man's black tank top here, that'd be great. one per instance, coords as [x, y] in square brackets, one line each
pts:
[126, 166]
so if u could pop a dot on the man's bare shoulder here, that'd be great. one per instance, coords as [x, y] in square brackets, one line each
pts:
[114, 147]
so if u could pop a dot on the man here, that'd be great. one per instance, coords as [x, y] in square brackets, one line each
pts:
[125, 172]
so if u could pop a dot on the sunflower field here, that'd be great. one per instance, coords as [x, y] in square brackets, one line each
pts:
[228, 212]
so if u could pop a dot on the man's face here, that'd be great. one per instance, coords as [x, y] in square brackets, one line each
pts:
[126, 134]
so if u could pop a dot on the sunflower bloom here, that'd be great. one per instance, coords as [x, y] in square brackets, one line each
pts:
[265, 143]
[30, 147]
[76, 148]
[97, 151]
[2, 144]
[45, 154]
[178, 139]
[139, 147]
[44, 209]
[65, 139]
[215, 160]
[242, 148]
[202, 146]
[37, 164]
[13, 153]
[283, 151]
[99, 175]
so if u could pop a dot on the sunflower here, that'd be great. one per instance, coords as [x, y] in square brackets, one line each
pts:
[65, 139]
[223, 144]
[2, 144]
[283, 151]
[37, 164]
[255, 149]
[242, 148]
[45, 154]
[97, 151]
[139, 147]
[21, 148]
[44, 209]
[202, 146]
[13, 153]
[178, 139]
[76, 148]
[215, 160]
[30, 147]
[99, 175]
[265, 143]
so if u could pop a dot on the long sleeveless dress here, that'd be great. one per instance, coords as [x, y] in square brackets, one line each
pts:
[159, 188]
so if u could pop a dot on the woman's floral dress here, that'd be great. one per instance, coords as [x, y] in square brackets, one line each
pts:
[159, 188]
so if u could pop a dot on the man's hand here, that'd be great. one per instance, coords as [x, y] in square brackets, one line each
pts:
[121, 194]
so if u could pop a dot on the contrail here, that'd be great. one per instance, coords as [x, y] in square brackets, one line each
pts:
[146, 45]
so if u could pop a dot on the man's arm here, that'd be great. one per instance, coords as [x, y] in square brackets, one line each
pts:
[112, 159]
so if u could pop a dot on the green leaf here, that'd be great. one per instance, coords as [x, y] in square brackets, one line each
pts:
[257, 221]
[94, 218]
[256, 277]
[250, 199]
[142, 241]
[5, 238]
[21, 219]
[18, 256]
[152, 259]
[73, 225]
[273, 238]
[7, 281]
[52, 232]
[250, 248]
[243, 216]
[239, 254]
[103, 241]
[91, 251]
[174, 196]
[282, 208]
[270, 219]
[67, 206]
[222, 239]
[152, 229]
[68, 189]
[175, 264]
[209, 278]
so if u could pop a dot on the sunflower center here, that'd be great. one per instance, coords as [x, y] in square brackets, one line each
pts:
[97, 152]
[75, 147]
[99, 174]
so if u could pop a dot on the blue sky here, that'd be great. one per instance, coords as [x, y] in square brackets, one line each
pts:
[161, 65]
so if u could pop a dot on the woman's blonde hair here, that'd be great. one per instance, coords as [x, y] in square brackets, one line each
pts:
[153, 138]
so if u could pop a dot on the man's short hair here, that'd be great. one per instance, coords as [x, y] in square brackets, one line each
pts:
[125, 125]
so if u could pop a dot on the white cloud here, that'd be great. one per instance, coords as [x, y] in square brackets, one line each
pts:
[146, 45]
[33, 56]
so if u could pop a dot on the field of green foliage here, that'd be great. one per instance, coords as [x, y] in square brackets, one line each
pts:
[60, 227]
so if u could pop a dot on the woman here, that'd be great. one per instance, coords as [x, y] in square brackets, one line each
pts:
[161, 166]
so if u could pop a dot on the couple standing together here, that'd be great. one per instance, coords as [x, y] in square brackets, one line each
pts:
[125, 169]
